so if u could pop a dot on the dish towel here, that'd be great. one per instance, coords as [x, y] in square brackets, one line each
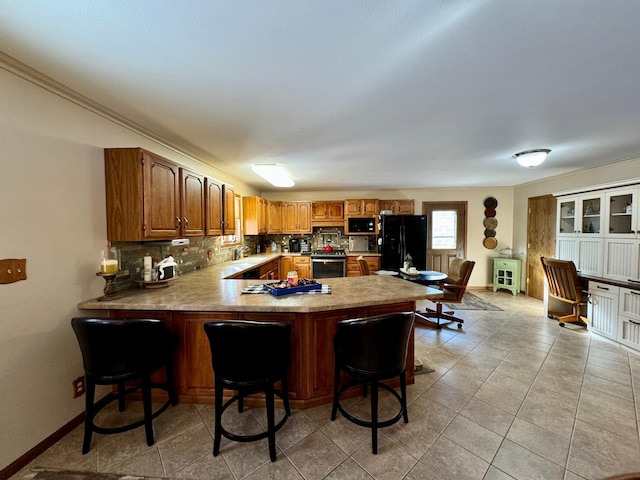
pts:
[259, 289]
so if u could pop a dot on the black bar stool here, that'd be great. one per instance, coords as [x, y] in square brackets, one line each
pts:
[118, 351]
[373, 349]
[249, 357]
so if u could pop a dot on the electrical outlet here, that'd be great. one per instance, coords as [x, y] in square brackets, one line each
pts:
[78, 387]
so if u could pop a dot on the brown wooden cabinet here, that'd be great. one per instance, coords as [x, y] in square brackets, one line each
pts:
[228, 210]
[274, 216]
[192, 203]
[254, 215]
[213, 207]
[296, 217]
[298, 263]
[142, 195]
[368, 207]
[398, 207]
[353, 268]
[327, 211]
[270, 271]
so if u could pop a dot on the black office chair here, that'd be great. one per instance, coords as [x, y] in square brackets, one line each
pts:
[118, 351]
[373, 349]
[249, 357]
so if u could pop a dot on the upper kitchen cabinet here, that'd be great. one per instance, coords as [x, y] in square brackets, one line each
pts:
[254, 215]
[327, 211]
[192, 203]
[213, 207]
[398, 207]
[581, 215]
[228, 210]
[361, 208]
[274, 216]
[621, 219]
[142, 194]
[296, 217]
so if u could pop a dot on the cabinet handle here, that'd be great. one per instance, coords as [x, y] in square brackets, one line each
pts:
[634, 293]
[177, 222]
[631, 321]
[602, 288]
[186, 221]
[631, 280]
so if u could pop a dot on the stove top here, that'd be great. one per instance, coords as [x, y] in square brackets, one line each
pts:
[333, 253]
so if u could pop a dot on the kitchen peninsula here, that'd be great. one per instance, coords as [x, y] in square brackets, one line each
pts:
[208, 295]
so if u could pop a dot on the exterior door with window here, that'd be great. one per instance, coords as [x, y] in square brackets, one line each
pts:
[446, 233]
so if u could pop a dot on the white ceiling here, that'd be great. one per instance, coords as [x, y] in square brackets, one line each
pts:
[355, 94]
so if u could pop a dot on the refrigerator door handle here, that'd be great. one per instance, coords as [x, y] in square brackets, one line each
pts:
[403, 246]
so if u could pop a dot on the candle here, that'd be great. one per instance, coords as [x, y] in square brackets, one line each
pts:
[147, 268]
[108, 266]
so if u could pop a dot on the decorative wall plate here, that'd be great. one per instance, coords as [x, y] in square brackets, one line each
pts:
[490, 243]
[490, 203]
[490, 222]
[489, 213]
[488, 232]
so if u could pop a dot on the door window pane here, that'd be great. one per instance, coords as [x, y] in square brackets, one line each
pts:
[444, 224]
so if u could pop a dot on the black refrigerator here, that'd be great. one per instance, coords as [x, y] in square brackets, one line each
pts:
[402, 235]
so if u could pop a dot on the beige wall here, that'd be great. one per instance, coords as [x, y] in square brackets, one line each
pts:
[52, 212]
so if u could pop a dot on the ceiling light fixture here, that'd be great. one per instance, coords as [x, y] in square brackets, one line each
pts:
[274, 173]
[531, 158]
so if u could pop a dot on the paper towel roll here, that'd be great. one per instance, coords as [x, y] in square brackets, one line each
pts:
[147, 269]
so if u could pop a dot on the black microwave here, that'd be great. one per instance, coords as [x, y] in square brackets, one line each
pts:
[361, 225]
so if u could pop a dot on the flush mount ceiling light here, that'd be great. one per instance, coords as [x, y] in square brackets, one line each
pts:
[531, 158]
[274, 173]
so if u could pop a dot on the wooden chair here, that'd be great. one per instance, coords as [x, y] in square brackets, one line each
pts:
[364, 267]
[453, 289]
[562, 279]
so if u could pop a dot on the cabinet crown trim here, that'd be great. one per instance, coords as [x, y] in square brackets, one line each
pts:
[632, 182]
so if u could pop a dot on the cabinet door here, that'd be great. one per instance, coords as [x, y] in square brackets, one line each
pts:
[274, 217]
[289, 217]
[192, 200]
[391, 205]
[374, 263]
[591, 215]
[586, 253]
[622, 259]
[286, 265]
[229, 210]
[303, 266]
[335, 211]
[405, 207]
[304, 217]
[213, 207]
[353, 208]
[370, 207]
[319, 211]
[621, 219]
[603, 309]
[161, 198]
[567, 218]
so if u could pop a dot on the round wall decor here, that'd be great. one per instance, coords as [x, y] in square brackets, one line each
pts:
[489, 213]
[490, 243]
[490, 222]
[490, 203]
[488, 232]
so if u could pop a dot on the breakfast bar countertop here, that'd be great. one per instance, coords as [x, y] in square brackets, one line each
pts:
[208, 290]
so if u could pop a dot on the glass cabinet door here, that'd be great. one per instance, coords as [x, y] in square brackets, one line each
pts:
[591, 214]
[567, 217]
[621, 217]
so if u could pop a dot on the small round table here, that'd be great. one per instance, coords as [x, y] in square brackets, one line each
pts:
[425, 277]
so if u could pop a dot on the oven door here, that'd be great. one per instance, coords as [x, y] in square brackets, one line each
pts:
[323, 267]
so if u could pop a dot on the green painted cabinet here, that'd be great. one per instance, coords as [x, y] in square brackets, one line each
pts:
[506, 274]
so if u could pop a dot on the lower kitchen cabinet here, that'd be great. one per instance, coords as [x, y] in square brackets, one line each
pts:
[629, 318]
[603, 309]
[506, 274]
[353, 268]
[298, 263]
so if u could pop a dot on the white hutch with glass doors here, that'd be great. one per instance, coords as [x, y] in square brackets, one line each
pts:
[598, 228]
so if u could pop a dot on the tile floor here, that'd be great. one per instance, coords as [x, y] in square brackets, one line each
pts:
[513, 395]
